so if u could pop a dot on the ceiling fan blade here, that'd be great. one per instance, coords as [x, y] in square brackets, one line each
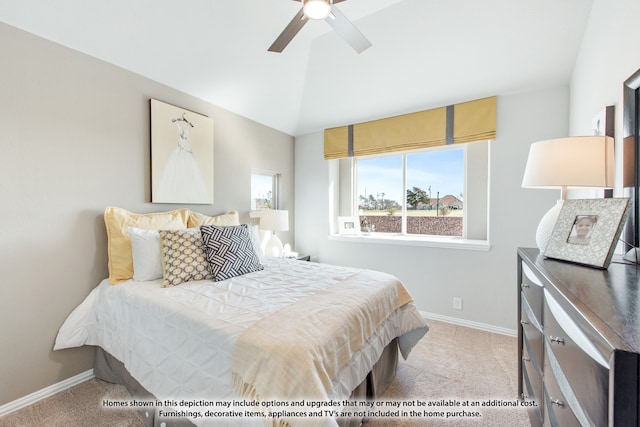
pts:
[348, 31]
[289, 32]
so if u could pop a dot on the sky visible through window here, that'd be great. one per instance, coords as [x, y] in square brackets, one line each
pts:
[441, 170]
[261, 188]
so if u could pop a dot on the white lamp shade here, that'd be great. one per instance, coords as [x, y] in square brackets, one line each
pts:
[274, 219]
[316, 9]
[579, 161]
[583, 161]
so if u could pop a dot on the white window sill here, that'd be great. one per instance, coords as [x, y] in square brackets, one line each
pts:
[414, 240]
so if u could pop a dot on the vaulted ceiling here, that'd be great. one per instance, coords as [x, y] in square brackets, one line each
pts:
[425, 53]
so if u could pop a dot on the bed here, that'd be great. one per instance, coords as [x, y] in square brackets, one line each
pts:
[286, 333]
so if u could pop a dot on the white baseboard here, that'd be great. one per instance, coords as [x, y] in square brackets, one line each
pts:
[45, 392]
[469, 324]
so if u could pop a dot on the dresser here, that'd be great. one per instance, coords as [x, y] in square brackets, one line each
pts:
[578, 342]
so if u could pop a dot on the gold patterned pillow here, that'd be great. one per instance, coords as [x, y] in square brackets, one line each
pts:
[183, 257]
[197, 219]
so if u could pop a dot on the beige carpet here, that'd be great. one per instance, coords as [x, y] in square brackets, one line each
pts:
[78, 406]
[460, 364]
[450, 363]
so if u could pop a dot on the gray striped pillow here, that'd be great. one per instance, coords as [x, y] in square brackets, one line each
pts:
[229, 251]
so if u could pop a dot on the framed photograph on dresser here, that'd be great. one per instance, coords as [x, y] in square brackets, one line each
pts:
[588, 230]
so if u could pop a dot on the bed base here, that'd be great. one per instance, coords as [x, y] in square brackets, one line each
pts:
[108, 368]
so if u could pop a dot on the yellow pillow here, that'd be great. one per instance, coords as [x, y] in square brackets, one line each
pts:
[117, 221]
[197, 219]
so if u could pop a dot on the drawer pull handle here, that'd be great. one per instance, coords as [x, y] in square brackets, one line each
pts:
[557, 340]
[525, 285]
[557, 402]
[526, 359]
[524, 322]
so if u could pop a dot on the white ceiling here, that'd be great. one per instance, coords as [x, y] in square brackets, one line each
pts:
[425, 53]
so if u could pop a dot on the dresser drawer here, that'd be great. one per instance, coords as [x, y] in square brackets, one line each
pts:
[532, 290]
[532, 337]
[532, 378]
[575, 364]
[557, 412]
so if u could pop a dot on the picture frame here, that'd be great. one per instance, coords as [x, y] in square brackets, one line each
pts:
[348, 225]
[587, 231]
[181, 155]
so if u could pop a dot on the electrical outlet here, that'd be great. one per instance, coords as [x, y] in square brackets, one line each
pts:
[457, 303]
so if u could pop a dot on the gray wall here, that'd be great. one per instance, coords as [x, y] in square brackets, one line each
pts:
[485, 280]
[608, 56]
[75, 139]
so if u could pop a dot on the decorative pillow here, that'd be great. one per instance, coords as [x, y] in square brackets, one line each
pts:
[118, 220]
[183, 257]
[254, 235]
[197, 219]
[147, 257]
[229, 250]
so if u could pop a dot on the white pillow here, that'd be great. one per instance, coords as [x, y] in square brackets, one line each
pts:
[147, 254]
[254, 234]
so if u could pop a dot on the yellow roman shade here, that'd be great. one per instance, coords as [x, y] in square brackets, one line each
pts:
[461, 123]
[474, 121]
[336, 143]
[407, 132]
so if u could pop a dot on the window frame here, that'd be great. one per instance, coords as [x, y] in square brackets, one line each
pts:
[343, 201]
[275, 185]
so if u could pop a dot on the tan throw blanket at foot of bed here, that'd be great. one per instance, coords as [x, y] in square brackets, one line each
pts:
[295, 353]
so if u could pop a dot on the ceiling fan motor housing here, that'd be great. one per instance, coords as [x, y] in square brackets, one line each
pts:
[316, 9]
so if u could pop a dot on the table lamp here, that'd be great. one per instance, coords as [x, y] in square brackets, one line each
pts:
[577, 161]
[274, 220]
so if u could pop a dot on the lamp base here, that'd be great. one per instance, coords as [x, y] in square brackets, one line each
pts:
[273, 247]
[546, 225]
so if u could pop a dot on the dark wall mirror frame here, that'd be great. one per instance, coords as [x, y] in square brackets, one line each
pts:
[631, 162]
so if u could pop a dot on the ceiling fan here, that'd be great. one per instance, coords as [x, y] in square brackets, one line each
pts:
[317, 10]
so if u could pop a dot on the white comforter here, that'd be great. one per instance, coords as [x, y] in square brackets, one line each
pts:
[178, 342]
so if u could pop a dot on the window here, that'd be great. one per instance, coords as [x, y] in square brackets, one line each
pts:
[376, 188]
[419, 193]
[470, 125]
[264, 190]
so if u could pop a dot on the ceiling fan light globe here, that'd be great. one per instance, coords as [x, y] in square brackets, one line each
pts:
[316, 9]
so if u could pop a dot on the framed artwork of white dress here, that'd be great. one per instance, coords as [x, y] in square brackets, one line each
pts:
[181, 155]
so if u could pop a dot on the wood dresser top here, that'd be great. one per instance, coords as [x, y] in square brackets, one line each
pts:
[608, 299]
